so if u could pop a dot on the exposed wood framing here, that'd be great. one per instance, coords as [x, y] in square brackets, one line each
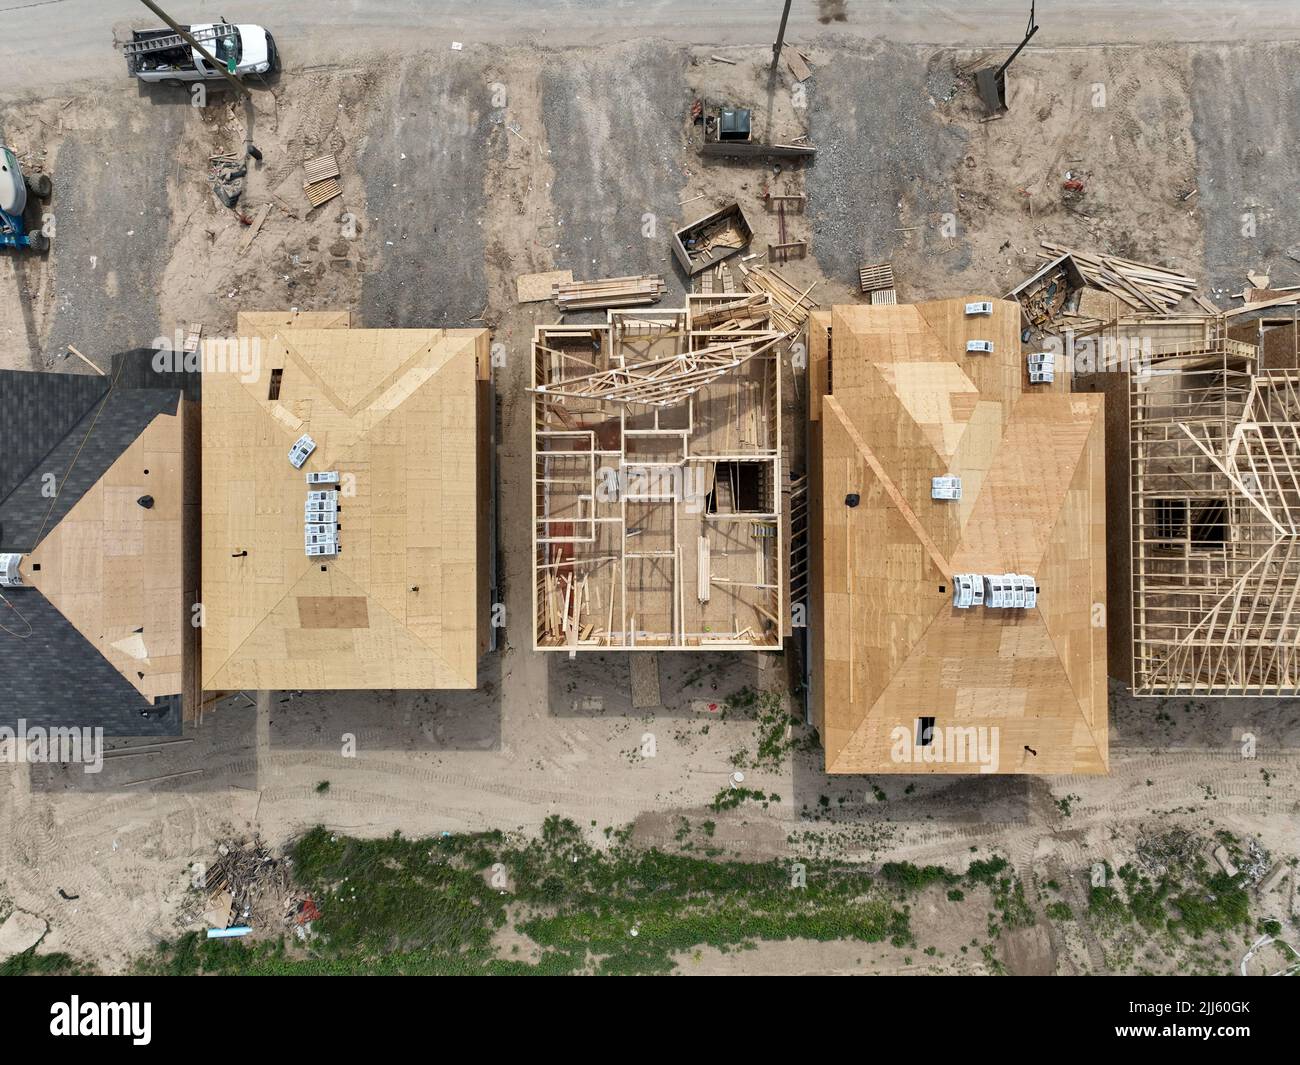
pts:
[657, 478]
[1215, 505]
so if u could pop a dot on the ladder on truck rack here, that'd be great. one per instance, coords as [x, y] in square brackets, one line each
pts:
[175, 40]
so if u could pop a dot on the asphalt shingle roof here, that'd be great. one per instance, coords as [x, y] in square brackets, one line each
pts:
[50, 675]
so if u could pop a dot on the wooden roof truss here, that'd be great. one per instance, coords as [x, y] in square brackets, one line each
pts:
[1215, 497]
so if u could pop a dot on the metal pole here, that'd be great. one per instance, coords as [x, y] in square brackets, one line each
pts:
[1030, 30]
[780, 38]
[185, 34]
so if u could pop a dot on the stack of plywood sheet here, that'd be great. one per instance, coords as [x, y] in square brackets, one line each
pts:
[608, 292]
[1139, 285]
[321, 179]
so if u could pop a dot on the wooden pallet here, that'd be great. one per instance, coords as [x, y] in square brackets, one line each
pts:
[321, 179]
[879, 276]
[320, 168]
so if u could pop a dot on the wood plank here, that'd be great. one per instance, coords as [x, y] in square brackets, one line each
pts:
[797, 66]
[255, 228]
[534, 288]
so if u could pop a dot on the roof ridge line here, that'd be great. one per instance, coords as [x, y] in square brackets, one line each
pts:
[891, 489]
[1039, 611]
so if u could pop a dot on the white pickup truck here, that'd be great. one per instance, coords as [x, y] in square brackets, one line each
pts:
[161, 55]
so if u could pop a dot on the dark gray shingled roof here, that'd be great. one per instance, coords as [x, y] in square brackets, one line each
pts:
[112, 425]
[55, 677]
[37, 410]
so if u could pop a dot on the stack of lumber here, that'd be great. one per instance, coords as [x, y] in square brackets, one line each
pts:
[608, 292]
[321, 179]
[1139, 285]
[747, 311]
[790, 306]
[704, 571]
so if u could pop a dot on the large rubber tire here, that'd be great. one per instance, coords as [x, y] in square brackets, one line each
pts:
[39, 185]
[38, 242]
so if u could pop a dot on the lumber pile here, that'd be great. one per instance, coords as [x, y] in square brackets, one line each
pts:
[747, 311]
[566, 600]
[608, 292]
[321, 179]
[1140, 286]
[790, 306]
[704, 571]
[663, 381]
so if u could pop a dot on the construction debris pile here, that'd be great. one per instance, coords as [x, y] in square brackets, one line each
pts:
[243, 874]
[226, 174]
[711, 239]
[1139, 285]
[790, 306]
[1167, 851]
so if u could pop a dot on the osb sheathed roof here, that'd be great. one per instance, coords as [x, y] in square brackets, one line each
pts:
[907, 403]
[394, 412]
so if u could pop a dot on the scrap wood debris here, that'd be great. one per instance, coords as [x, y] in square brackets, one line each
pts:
[797, 61]
[226, 175]
[244, 870]
[791, 306]
[1057, 288]
[1169, 850]
[709, 240]
[1139, 285]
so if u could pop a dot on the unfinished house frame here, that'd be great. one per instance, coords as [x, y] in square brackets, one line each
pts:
[1215, 504]
[658, 477]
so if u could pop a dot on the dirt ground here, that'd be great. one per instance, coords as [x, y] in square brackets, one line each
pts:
[463, 169]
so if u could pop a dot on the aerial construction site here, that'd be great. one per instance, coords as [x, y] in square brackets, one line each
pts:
[777, 489]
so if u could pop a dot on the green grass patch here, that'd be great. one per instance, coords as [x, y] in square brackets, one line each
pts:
[397, 905]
